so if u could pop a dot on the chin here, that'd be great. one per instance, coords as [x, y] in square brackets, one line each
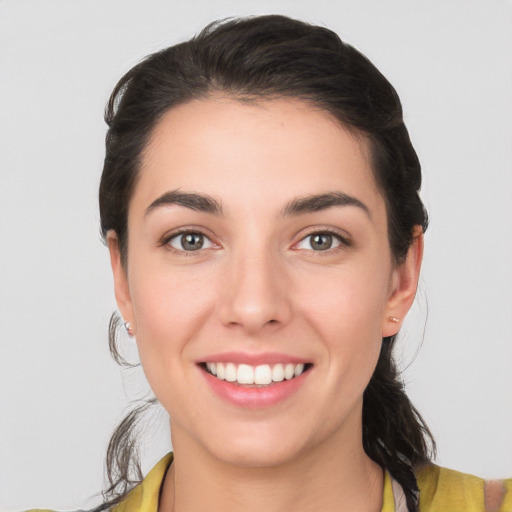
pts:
[253, 454]
[259, 445]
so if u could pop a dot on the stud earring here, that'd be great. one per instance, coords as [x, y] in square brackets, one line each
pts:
[128, 328]
[394, 319]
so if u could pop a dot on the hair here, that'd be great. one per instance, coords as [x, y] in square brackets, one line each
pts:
[262, 58]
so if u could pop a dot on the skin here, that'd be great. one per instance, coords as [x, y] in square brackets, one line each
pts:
[259, 286]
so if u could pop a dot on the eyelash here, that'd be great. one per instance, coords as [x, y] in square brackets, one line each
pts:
[344, 243]
[166, 240]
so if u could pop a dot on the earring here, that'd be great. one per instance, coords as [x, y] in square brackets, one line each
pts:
[394, 319]
[128, 328]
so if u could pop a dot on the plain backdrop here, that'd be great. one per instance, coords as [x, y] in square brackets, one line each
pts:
[60, 393]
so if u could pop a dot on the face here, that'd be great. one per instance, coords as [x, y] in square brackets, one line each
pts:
[258, 251]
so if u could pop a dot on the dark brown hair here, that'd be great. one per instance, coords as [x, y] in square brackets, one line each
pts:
[260, 58]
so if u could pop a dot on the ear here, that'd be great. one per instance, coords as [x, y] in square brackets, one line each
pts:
[405, 283]
[121, 287]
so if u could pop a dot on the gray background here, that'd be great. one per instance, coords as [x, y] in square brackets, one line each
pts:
[60, 394]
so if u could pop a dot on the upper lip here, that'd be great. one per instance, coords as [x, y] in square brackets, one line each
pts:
[253, 359]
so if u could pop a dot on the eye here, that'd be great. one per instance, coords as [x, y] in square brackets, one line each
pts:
[321, 241]
[189, 241]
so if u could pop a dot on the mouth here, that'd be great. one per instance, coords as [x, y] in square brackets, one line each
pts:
[262, 375]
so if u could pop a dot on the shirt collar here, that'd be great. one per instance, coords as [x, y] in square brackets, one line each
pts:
[144, 497]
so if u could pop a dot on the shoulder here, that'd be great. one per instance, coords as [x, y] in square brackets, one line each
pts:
[443, 489]
[143, 497]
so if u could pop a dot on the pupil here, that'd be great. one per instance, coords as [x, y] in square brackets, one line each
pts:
[321, 242]
[192, 241]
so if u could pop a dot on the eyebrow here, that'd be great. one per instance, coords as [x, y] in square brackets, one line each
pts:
[198, 202]
[298, 206]
[319, 202]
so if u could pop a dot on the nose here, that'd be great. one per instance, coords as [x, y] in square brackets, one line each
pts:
[255, 293]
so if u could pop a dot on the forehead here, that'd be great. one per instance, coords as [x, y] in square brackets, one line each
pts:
[234, 150]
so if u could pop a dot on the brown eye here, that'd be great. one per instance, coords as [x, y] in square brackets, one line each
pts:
[190, 241]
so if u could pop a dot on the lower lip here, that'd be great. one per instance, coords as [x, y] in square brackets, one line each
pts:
[252, 397]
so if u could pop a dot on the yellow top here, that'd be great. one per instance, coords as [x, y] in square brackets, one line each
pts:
[441, 490]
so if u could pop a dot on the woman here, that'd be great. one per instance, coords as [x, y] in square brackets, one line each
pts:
[260, 204]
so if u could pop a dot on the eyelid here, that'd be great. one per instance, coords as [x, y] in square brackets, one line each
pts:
[175, 233]
[343, 238]
[207, 243]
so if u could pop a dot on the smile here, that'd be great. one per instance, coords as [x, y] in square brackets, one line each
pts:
[261, 375]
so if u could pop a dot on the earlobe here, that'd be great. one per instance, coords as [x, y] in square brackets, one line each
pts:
[405, 285]
[121, 288]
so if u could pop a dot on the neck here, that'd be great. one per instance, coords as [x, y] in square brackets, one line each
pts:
[341, 480]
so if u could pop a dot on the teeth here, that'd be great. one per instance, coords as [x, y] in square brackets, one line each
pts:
[278, 373]
[289, 371]
[261, 375]
[245, 374]
[212, 368]
[230, 372]
[299, 368]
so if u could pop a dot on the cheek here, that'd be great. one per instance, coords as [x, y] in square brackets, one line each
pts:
[346, 310]
[169, 308]
[346, 301]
